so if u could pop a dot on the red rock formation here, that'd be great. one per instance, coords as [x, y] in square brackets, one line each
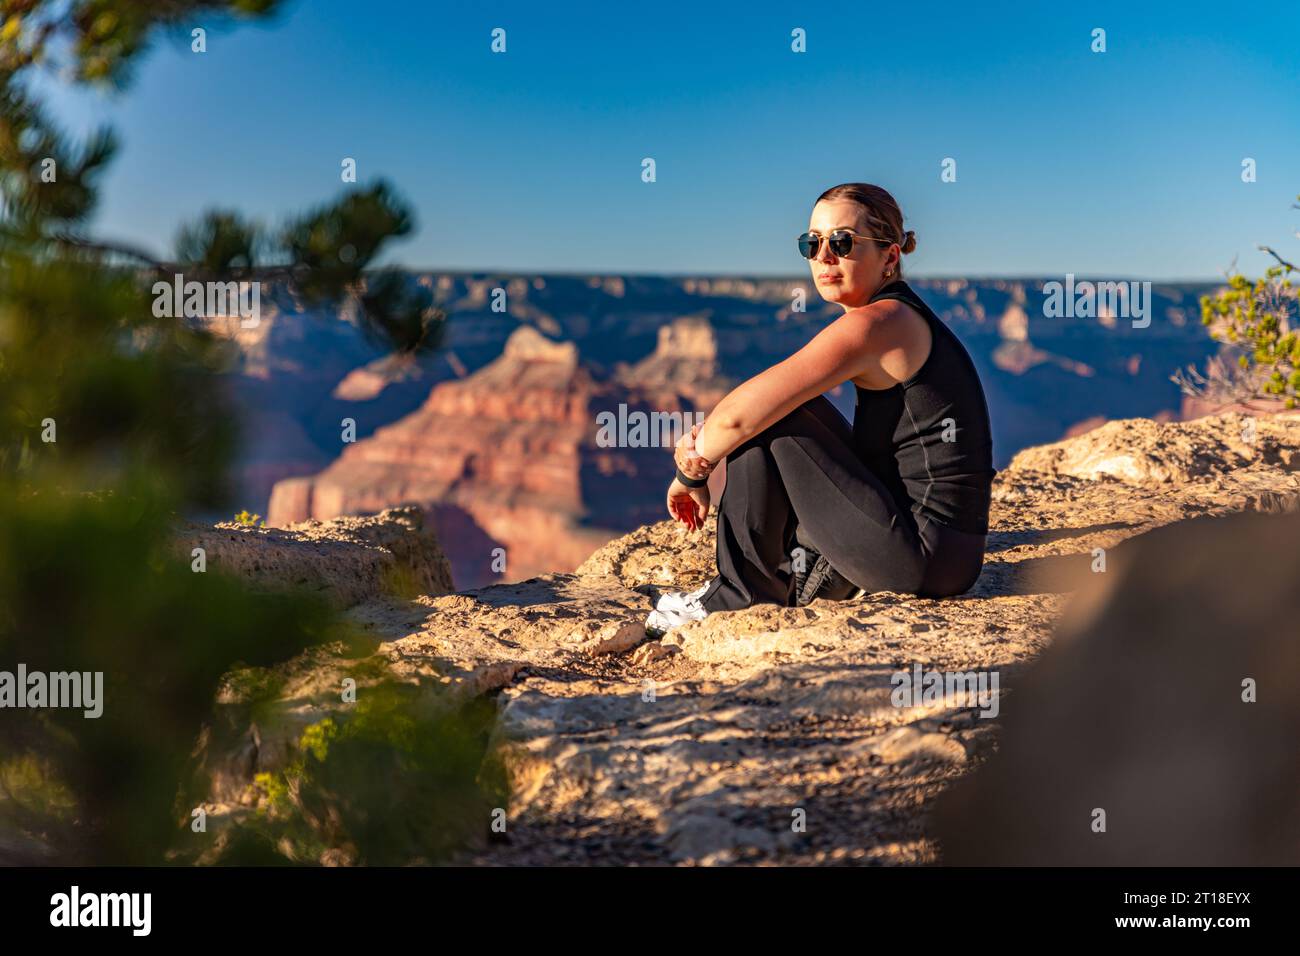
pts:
[513, 457]
[684, 361]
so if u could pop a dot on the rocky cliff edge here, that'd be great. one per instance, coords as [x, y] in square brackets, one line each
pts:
[769, 734]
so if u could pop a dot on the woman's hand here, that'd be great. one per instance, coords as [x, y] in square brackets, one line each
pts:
[690, 506]
[686, 458]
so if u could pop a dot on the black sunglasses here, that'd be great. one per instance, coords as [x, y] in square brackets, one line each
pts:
[841, 241]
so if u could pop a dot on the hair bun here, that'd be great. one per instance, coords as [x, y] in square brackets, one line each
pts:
[909, 242]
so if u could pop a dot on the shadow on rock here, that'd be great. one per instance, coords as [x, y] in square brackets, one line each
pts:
[1160, 726]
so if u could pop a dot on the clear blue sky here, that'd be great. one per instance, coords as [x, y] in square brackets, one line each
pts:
[1120, 164]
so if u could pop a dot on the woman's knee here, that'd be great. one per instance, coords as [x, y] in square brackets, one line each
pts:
[911, 574]
[817, 412]
[901, 573]
[952, 581]
[748, 456]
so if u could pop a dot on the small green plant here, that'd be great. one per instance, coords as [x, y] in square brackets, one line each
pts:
[1255, 320]
[393, 781]
[250, 520]
[276, 788]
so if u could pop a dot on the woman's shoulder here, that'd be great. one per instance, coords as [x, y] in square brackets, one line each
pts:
[899, 336]
[887, 313]
[887, 325]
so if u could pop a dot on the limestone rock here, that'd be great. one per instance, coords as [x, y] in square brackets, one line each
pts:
[1142, 451]
[347, 560]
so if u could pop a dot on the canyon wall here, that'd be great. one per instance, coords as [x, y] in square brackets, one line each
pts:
[520, 468]
[512, 463]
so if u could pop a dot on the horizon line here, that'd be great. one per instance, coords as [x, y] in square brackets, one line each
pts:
[792, 278]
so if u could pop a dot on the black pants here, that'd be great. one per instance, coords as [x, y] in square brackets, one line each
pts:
[802, 476]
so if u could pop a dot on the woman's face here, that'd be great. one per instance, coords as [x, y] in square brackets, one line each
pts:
[849, 281]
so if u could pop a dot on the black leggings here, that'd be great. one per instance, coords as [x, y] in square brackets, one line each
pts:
[802, 476]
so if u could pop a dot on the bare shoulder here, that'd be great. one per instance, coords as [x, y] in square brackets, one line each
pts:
[889, 324]
[897, 336]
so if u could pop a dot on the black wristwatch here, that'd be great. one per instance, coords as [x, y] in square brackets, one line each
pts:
[691, 482]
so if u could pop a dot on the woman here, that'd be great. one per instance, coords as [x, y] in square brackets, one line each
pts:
[814, 507]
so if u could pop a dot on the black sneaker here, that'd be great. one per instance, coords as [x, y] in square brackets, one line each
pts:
[809, 562]
[823, 581]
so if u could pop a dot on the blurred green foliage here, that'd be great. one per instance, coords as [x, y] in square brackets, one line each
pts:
[112, 421]
[88, 583]
[397, 783]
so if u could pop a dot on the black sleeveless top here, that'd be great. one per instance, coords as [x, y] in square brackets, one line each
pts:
[900, 432]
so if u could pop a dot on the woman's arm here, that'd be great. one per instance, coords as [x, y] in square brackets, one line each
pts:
[847, 347]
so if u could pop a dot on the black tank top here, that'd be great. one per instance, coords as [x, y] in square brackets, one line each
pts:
[929, 438]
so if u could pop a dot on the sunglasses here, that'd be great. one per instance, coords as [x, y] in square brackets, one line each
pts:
[841, 241]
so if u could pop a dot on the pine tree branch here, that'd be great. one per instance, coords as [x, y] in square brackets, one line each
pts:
[1279, 259]
[113, 248]
[162, 266]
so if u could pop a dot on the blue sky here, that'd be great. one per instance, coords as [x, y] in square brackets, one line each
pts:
[1120, 164]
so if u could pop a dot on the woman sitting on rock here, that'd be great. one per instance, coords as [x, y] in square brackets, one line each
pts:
[814, 507]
